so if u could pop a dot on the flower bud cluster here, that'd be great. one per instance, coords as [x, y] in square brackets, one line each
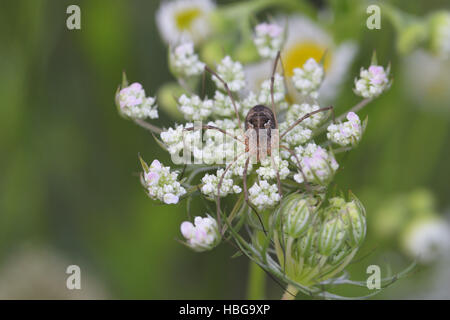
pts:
[203, 235]
[133, 103]
[184, 62]
[346, 133]
[318, 241]
[162, 184]
[268, 39]
[307, 80]
[372, 81]
[318, 165]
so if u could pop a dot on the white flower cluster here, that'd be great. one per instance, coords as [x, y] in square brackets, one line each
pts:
[219, 147]
[223, 106]
[194, 108]
[317, 164]
[185, 62]
[279, 92]
[162, 184]
[202, 235]
[232, 73]
[297, 136]
[268, 39]
[347, 133]
[297, 111]
[264, 195]
[133, 103]
[211, 182]
[269, 166]
[307, 80]
[214, 147]
[248, 102]
[174, 138]
[372, 82]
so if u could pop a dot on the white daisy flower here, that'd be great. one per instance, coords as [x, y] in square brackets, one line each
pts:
[311, 42]
[440, 34]
[427, 240]
[425, 81]
[184, 20]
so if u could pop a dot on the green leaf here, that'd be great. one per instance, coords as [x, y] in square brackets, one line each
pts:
[124, 80]
[143, 164]
[374, 60]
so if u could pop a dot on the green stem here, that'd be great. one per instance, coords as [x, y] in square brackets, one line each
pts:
[148, 126]
[256, 282]
[290, 293]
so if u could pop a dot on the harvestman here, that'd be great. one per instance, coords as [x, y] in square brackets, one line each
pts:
[261, 125]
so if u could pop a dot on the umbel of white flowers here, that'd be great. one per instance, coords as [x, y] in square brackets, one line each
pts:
[310, 238]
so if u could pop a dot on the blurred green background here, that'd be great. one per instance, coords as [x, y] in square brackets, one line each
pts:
[69, 168]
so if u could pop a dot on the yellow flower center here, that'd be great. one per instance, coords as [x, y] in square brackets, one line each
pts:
[185, 18]
[299, 53]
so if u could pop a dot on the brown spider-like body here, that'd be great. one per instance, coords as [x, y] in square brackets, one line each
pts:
[259, 122]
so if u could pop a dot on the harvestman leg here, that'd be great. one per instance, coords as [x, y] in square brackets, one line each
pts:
[272, 83]
[240, 126]
[299, 166]
[229, 93]
[219, 186]
[293, 126]
[305, 117]
[209, 127]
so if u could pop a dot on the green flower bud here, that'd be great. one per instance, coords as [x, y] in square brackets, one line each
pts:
[331, 236]
[212, 52]
[439, 24]
[305, 245]
[295, 215]
[355, 221]
[246, 52]
[421, 202]
[411, 36]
